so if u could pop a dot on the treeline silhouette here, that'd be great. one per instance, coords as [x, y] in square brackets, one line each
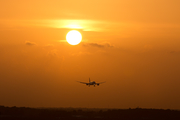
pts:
[25, 113]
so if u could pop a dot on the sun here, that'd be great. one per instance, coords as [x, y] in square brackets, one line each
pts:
[73, 37]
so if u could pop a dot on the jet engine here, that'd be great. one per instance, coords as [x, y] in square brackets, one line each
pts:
[97, 84]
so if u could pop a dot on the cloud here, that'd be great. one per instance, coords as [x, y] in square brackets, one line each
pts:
[175, 52]
[53, 53]
[30, 43]
[99, 45]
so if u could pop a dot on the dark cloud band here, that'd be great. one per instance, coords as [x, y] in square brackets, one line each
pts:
[103, 45]
[30, 43]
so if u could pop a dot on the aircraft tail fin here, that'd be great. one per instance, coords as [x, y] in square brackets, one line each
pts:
[89, 80]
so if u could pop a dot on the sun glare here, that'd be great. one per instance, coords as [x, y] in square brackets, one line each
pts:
[73, 37]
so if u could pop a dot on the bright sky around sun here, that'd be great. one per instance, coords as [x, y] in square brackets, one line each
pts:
[133, 45]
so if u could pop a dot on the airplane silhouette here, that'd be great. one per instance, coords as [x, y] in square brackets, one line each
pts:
[91, 83]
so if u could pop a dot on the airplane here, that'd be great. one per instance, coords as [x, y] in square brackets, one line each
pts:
[91, 83]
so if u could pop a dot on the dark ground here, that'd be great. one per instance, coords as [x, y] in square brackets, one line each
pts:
[23, 113]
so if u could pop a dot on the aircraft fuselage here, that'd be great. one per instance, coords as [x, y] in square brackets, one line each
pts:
[91, 83]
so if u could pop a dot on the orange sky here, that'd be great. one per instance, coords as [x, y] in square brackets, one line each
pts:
[133, 45]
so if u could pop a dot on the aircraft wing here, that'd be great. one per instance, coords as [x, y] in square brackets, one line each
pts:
[101, 82]
[83, 82]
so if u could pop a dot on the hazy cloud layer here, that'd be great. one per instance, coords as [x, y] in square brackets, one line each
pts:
[30, 43]
[99, 45]
[53, 53]
[175, 52]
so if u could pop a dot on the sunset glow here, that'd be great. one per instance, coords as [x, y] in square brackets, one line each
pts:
[46, 46]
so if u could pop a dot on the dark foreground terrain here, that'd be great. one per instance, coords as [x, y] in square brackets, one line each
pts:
[22, 113]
